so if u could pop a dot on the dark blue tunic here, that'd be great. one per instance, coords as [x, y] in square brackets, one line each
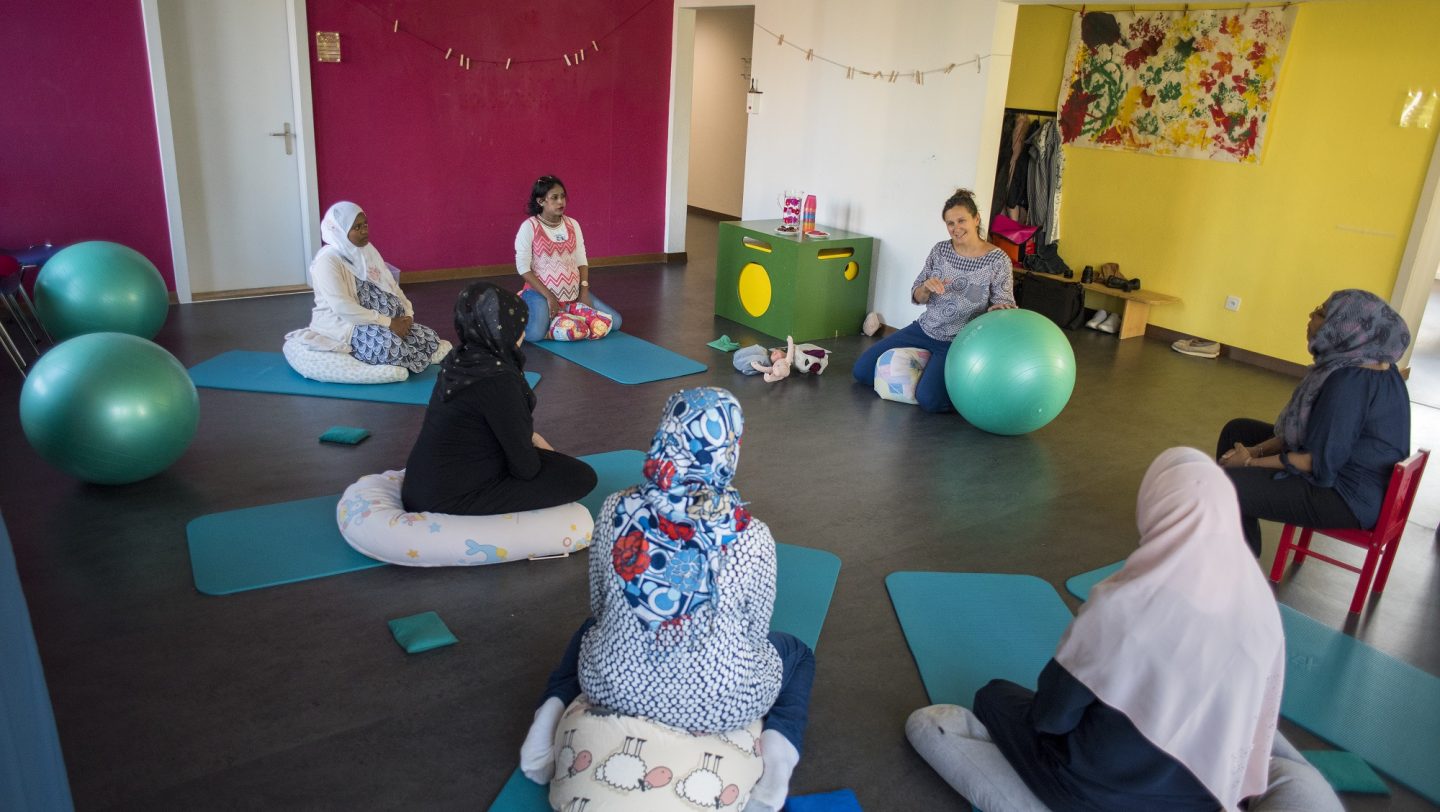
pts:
[1358, 429]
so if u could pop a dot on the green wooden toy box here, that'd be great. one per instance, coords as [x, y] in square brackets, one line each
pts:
[780, 284]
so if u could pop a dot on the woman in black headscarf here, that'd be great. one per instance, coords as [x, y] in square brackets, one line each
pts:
[478, 453]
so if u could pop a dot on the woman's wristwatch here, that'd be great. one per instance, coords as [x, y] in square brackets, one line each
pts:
[584, 283]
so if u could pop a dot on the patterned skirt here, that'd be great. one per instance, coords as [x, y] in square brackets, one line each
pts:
[374, 344]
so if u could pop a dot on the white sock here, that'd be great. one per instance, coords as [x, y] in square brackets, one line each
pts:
[779, 757]
[537, 754]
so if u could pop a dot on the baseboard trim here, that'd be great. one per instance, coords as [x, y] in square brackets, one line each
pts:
[436, 275]
[719, 215]
[677, 256]
[249, 293]
[1244, 356]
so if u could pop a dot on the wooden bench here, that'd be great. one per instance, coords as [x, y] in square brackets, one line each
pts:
[1135, 312]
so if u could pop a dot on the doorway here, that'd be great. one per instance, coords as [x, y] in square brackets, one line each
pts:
[232, 96]
[718, 121]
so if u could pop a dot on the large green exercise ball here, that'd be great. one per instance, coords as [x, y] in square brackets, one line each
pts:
[1010, 371]
[109, 408]
[99, 287]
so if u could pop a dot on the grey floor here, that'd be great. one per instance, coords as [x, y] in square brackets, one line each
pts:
[296, 697]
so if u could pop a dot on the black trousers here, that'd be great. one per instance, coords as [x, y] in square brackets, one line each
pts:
[562, 479]
[1291, 500]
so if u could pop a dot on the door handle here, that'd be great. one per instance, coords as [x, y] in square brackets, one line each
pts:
[287, 134]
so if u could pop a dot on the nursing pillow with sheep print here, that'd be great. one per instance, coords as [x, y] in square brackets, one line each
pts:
[605, 761]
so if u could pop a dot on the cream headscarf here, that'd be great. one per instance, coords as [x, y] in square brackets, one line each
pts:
[365, 263]
[1185, 639]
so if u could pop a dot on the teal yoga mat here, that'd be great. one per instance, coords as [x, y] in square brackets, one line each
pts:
[624, 358]
[805, 580]
[246, 371]
[252, 548]
[966, 629]
[1352, 695]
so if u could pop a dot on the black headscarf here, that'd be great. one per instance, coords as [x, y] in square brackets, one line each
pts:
[489, 320]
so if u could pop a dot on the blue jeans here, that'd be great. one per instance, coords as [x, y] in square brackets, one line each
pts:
[930, 393]
[539, 323]
[788, 716]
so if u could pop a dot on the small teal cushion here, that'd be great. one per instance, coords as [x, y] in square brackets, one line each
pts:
[1346, 771]
[421, 632]
[347, 435]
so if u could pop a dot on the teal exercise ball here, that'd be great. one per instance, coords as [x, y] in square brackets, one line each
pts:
[1010, 371]
[109, 408]
[100, 287]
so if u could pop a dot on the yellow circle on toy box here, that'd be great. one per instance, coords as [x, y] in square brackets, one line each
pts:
[754, 289]
[852, 270]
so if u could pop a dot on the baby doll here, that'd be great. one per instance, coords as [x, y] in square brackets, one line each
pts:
[750, 361]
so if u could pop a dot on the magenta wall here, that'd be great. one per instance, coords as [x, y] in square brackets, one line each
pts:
[79, 158]
[442, 159]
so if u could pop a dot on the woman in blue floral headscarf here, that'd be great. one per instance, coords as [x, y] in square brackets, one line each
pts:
[682, 585]
[1326, 461]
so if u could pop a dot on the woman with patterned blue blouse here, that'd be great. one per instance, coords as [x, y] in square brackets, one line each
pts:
[682, 586]
[963, 277]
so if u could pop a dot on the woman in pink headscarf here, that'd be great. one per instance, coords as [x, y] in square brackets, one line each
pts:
[1164, 692]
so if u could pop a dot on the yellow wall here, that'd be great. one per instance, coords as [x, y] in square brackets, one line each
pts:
[1328, 207]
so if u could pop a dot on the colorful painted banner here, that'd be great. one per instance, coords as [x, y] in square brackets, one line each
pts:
[1194, 85]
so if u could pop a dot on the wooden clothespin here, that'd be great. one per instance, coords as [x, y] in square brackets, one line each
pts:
[809, 54]
[595, 46]
[507, 63]
[977, 63]
[849, 72]
[919, 78]
[448, 51]
[894, 74]
[580, 55]
[1082, 9]
[567, 60]
[781, 40]
[1186, 13]
[950, 67]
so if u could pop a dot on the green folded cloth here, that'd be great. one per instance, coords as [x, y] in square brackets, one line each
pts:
[725, 344]
[1346, 771]
[421, 632]
[346, 435]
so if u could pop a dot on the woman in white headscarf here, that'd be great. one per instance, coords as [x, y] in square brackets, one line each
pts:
[359, 307]
[1165, 690]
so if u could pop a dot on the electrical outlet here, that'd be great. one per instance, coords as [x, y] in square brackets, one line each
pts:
[1232, 302]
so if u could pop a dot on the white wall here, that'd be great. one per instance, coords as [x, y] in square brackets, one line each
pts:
[717, 118]
[881, 158]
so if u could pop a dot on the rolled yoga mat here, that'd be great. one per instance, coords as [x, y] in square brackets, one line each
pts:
[624, 358]
[253, 548]
[804, 581]
[1351, 694]
[246, 371]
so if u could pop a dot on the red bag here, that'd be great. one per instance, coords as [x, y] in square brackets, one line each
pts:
[1012, 238]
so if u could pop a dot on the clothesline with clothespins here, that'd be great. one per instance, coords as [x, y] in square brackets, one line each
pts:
[571, 58]
[890, 76]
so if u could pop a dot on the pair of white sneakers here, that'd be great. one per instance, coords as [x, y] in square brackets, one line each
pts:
[1104, 321]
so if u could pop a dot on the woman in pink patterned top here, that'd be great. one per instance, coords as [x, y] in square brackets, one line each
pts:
[550, 254]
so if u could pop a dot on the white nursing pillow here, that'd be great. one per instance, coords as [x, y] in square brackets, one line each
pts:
[374, 521]
[342, 367]
[605, 761]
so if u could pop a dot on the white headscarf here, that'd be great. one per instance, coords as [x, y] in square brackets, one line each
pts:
[365, 263]
[1185, 639]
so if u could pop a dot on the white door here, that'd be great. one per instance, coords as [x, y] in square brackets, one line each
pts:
[228, 70]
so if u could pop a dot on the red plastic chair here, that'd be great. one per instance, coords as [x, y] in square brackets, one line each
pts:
[1383, 540]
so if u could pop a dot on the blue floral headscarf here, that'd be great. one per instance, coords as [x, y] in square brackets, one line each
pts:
[1360, 328]
[672, 532]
